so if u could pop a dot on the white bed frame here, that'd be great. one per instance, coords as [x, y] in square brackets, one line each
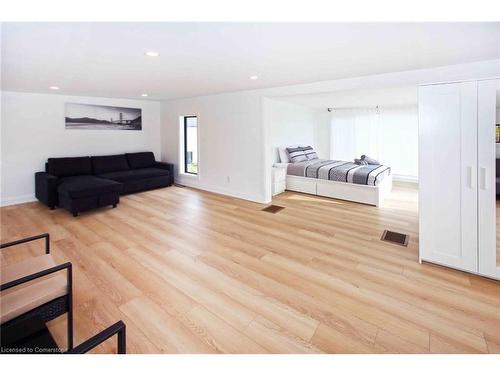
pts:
[373, 195]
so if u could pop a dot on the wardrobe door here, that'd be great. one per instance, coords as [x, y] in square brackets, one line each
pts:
[448, 174]
[488, 200]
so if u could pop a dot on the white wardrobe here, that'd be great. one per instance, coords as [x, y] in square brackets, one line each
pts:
[457, 179]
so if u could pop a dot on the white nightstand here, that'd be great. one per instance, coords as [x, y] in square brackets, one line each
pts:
[279, 180]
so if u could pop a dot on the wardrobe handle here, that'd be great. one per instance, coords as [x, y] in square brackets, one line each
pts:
[482, 177]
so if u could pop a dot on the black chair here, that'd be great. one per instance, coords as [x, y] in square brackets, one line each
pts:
[43, 296]
[31, 336]
[118, 329]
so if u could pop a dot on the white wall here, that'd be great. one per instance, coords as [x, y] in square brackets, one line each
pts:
[231, 143]
[292, 124]
[234, 142]
[235, 139]
[448, 73]
[32, 130]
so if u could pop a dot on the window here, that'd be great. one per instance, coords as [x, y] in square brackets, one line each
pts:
[191, 144]
[389, 134]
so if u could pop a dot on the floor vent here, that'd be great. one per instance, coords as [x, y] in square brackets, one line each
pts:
[395, 237]
[273, 209]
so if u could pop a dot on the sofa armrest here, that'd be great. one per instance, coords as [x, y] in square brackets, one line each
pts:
[164, 165]
[167, 166]
[46, 188]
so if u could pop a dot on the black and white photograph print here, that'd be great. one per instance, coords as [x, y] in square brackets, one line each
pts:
[102, 117]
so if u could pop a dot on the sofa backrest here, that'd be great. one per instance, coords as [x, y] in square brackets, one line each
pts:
[138, 160]
[65, 167]
[110, 163]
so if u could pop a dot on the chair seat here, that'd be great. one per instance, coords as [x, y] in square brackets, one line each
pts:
[26, 267]
[87, 186]
[135, 174]
[28, 296]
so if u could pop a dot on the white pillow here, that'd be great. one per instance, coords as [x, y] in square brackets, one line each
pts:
[283, 155]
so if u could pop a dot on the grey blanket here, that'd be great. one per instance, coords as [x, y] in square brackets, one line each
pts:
[341, 171]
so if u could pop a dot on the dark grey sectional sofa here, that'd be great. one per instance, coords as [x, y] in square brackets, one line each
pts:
[83, 183]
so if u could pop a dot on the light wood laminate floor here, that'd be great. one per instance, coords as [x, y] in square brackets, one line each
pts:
[195, 272]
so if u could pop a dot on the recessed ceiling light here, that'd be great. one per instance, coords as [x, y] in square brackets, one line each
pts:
[54, 88]
[152, 53]
[144, 95]
[254, 77]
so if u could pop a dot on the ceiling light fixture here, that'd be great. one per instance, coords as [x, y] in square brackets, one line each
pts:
[144, 94]
[54, 88]
[254, 77]
[152, 53]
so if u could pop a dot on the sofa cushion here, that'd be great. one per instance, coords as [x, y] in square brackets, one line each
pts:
[110, 163]
[64, 167]
[138, 160]
[87, 186]
[135, 174]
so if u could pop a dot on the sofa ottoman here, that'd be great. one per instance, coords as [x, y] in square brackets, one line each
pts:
[82, 193]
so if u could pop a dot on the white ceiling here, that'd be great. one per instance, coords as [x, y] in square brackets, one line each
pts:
[393, 96]
[107, 59]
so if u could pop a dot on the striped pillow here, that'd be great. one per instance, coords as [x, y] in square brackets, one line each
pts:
[310, 153]
[296, 154]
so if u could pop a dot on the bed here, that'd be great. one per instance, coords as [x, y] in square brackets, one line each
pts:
[368, 184]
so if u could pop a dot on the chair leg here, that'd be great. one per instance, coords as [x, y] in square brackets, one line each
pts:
[122, 341]
[70, 308]
[114, 205]
[70, 328]
[75, 214]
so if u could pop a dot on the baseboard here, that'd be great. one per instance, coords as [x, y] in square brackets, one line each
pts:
[403, 178]
[10, 201]
[194, 183]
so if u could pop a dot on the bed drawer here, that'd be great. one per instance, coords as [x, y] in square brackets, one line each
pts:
[301, 184]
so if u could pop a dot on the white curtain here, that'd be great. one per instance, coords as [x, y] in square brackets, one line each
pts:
[398, 139]
[354, 133]
[389, 135]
